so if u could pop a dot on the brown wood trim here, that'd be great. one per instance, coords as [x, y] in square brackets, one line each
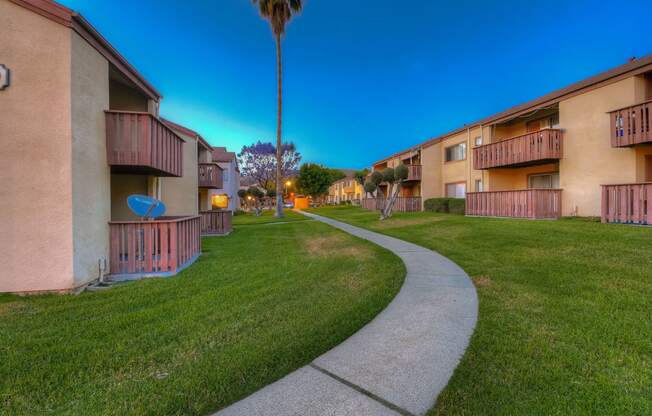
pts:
[74, 20]
[629, 106]
[97, 41]
[164, 220]
[48, 9]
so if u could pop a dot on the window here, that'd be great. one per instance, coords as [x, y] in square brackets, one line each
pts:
[220, 201]
[478, 185]
[478, 141]
[456, 190]
[457, 152]
[225, 175]
[543, 181]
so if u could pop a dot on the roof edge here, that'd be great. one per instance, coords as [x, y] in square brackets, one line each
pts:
[69, 18]
[603, 78]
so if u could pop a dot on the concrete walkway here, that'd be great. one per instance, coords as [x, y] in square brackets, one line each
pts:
[399, 362]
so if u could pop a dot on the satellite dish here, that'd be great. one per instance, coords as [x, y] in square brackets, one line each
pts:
[145, 206]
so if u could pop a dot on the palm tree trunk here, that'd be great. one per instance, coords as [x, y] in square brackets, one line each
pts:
[279, 154]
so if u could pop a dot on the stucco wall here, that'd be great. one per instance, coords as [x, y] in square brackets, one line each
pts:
[121, 187]
[431, 160]
[90, 173]
[121, 97]
[509, 179]
[180, 194]
[35, 154]
[589, 160]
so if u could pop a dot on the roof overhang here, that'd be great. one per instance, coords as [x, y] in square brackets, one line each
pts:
[76, 22]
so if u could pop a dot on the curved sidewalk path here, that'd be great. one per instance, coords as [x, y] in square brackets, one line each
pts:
[395, 365]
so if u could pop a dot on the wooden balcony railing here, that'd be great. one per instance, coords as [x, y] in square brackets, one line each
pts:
[210, 175]
[414, 172]
[157, 247]
[529, 203]
[539, 147]
[631, 125]
[140, 143]
[216, 222]
[627, 203]
[402, 204]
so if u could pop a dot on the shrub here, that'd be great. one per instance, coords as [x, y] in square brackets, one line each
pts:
[450, 205]
[436, 204]
[456, 205]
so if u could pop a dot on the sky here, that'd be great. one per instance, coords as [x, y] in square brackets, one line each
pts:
[363, 79]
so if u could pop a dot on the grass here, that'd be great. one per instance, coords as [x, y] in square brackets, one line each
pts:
[565, 312]
[267, 217]
[257, 305]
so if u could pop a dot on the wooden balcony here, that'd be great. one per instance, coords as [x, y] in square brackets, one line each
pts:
[402, 204]
[414, 172]
[153, 248]
[631, 125]
[543, 146]
[216, 222]
[210, 176]
[529, 203]
[140, 143]
[627, 203]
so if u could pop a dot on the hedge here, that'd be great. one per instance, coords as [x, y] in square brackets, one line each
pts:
[450, 205]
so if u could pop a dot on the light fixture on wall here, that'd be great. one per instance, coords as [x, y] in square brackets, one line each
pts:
[5, 77]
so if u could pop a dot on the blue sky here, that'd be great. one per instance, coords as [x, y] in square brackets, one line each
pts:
[363, 78]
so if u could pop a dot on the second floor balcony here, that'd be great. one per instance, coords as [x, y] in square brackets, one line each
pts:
[631, 125]
[140, 143]
[543, 146]
[210, 176]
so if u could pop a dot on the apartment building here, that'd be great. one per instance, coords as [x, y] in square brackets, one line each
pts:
[226, 197]
[203, 177]
[345, 189]
[80, 132]
[584, 150]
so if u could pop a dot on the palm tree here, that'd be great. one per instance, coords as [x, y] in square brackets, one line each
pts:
[279, 13]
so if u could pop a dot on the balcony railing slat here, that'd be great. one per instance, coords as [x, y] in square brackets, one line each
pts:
[627, 203]
[541, 145]
[216, 222]
[210, 176]
[631, 125]
[140, 140]
[529, 203]
[402, 204]
[147, 247]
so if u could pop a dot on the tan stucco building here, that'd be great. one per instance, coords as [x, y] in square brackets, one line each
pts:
[80, 131]
[549, 157]
[345, 189]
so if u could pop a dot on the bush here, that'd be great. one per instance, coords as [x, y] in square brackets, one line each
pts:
[436, 204]
[456, 206]
[450, 205]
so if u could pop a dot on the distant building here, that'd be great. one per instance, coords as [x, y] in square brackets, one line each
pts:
[345, 189]
[226, 197]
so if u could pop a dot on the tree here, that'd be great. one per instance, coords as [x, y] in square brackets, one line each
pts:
[258, 162]
[361, 176]
[279, 13]
[315, 179]
[256, 195]
[394, 179]
[242, 193]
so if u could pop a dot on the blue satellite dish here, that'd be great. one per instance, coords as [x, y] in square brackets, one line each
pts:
[145, 206]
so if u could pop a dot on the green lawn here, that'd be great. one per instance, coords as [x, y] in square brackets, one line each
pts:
[565, 324]
[266, 217]
[257, 305]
